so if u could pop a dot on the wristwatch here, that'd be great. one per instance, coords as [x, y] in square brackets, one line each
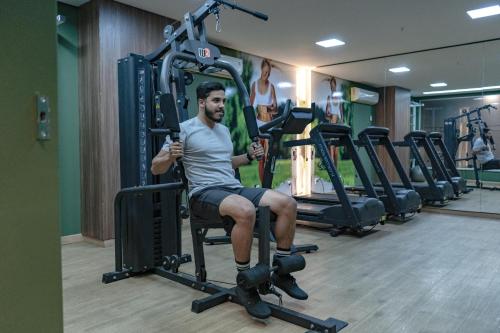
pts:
[249, 157]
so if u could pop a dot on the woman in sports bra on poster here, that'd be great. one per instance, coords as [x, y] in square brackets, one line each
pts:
[333, 113]
[263, 99]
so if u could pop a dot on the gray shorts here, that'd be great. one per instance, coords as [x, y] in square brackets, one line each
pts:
[206, 202]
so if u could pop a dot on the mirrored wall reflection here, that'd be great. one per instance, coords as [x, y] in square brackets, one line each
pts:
[453, 93]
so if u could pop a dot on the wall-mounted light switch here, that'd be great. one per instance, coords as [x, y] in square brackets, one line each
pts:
[42, 117]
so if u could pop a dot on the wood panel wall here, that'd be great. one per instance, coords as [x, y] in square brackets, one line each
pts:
[393, 112]
[108, 31]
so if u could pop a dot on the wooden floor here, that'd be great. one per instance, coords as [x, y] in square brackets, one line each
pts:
[436, 273]
[479, 200]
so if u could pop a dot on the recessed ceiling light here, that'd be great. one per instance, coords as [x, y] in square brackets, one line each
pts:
[484, 12]
[439, 84]
[452, 91]
[399, 69]
[330, 42]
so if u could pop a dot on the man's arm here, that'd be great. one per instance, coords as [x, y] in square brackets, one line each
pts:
[161, 162]
[255, 149]
[240, 160]
[164, 159]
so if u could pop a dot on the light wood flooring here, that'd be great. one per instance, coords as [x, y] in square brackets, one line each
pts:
[479, 200]
[436, 273]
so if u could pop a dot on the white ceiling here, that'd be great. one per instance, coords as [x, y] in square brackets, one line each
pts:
[370, 29]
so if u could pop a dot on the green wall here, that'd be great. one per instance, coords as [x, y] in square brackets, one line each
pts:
[69, 121]
[30, 270]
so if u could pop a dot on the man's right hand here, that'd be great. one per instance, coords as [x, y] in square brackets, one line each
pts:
[176, 149]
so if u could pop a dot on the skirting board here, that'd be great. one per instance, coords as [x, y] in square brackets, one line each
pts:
[98, 242]
[69, 239]
[440, 210]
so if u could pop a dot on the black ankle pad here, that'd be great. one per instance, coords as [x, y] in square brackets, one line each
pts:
[253, 277]
[289, 264]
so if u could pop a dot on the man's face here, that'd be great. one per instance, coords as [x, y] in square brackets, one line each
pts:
[214, 105]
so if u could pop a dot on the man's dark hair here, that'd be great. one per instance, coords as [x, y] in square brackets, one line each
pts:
[205, 88]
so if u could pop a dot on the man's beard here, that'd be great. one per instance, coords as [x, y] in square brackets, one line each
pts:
[211, 115]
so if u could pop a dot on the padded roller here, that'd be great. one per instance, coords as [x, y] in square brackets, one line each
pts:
[285, 265]
[251, 122]
[169, 110]
[253, 277]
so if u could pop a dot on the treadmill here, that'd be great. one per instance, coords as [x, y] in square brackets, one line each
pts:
[438, 167]
[448, 164]
[400, 202]
[436, 192]
[338, 210]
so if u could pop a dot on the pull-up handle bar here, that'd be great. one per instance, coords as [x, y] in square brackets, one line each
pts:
[258, 15]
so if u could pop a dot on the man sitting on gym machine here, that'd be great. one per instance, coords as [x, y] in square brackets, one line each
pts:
[207, 154]
[482, 149]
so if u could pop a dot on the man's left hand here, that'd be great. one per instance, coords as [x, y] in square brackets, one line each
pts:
[255, 150]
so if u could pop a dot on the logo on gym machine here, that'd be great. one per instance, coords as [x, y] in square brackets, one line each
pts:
[204, 52]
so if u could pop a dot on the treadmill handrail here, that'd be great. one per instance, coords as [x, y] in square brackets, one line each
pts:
[334, 129]
[435, 135]
[417, 134]
[374, 131]
[265, 128]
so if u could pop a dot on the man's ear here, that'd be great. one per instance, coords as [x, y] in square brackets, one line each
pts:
[201, 102]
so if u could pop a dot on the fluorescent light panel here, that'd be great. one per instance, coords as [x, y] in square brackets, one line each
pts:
[438, 84]
[484, 12]
[330, 42]
[452, 91]
[399, 69]
[284, 85]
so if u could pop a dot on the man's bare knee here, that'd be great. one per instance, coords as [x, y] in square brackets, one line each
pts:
[240, 209]
[245, 216]
[287, 206]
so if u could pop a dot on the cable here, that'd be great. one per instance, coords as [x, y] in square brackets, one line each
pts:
[208, 280]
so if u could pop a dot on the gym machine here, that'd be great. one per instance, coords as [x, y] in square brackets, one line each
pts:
[400, 202]
[338, 210]
[435, 192]
[448, 164]
[148, 209]
[453, 139]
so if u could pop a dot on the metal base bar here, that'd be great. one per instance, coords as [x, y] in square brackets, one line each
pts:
[302, 248]
[220, 295]
[217, 240]
[117, 276]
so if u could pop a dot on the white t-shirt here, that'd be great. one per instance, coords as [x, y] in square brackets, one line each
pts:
[483, 155]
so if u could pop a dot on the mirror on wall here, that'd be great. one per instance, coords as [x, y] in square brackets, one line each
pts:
[452, 91]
